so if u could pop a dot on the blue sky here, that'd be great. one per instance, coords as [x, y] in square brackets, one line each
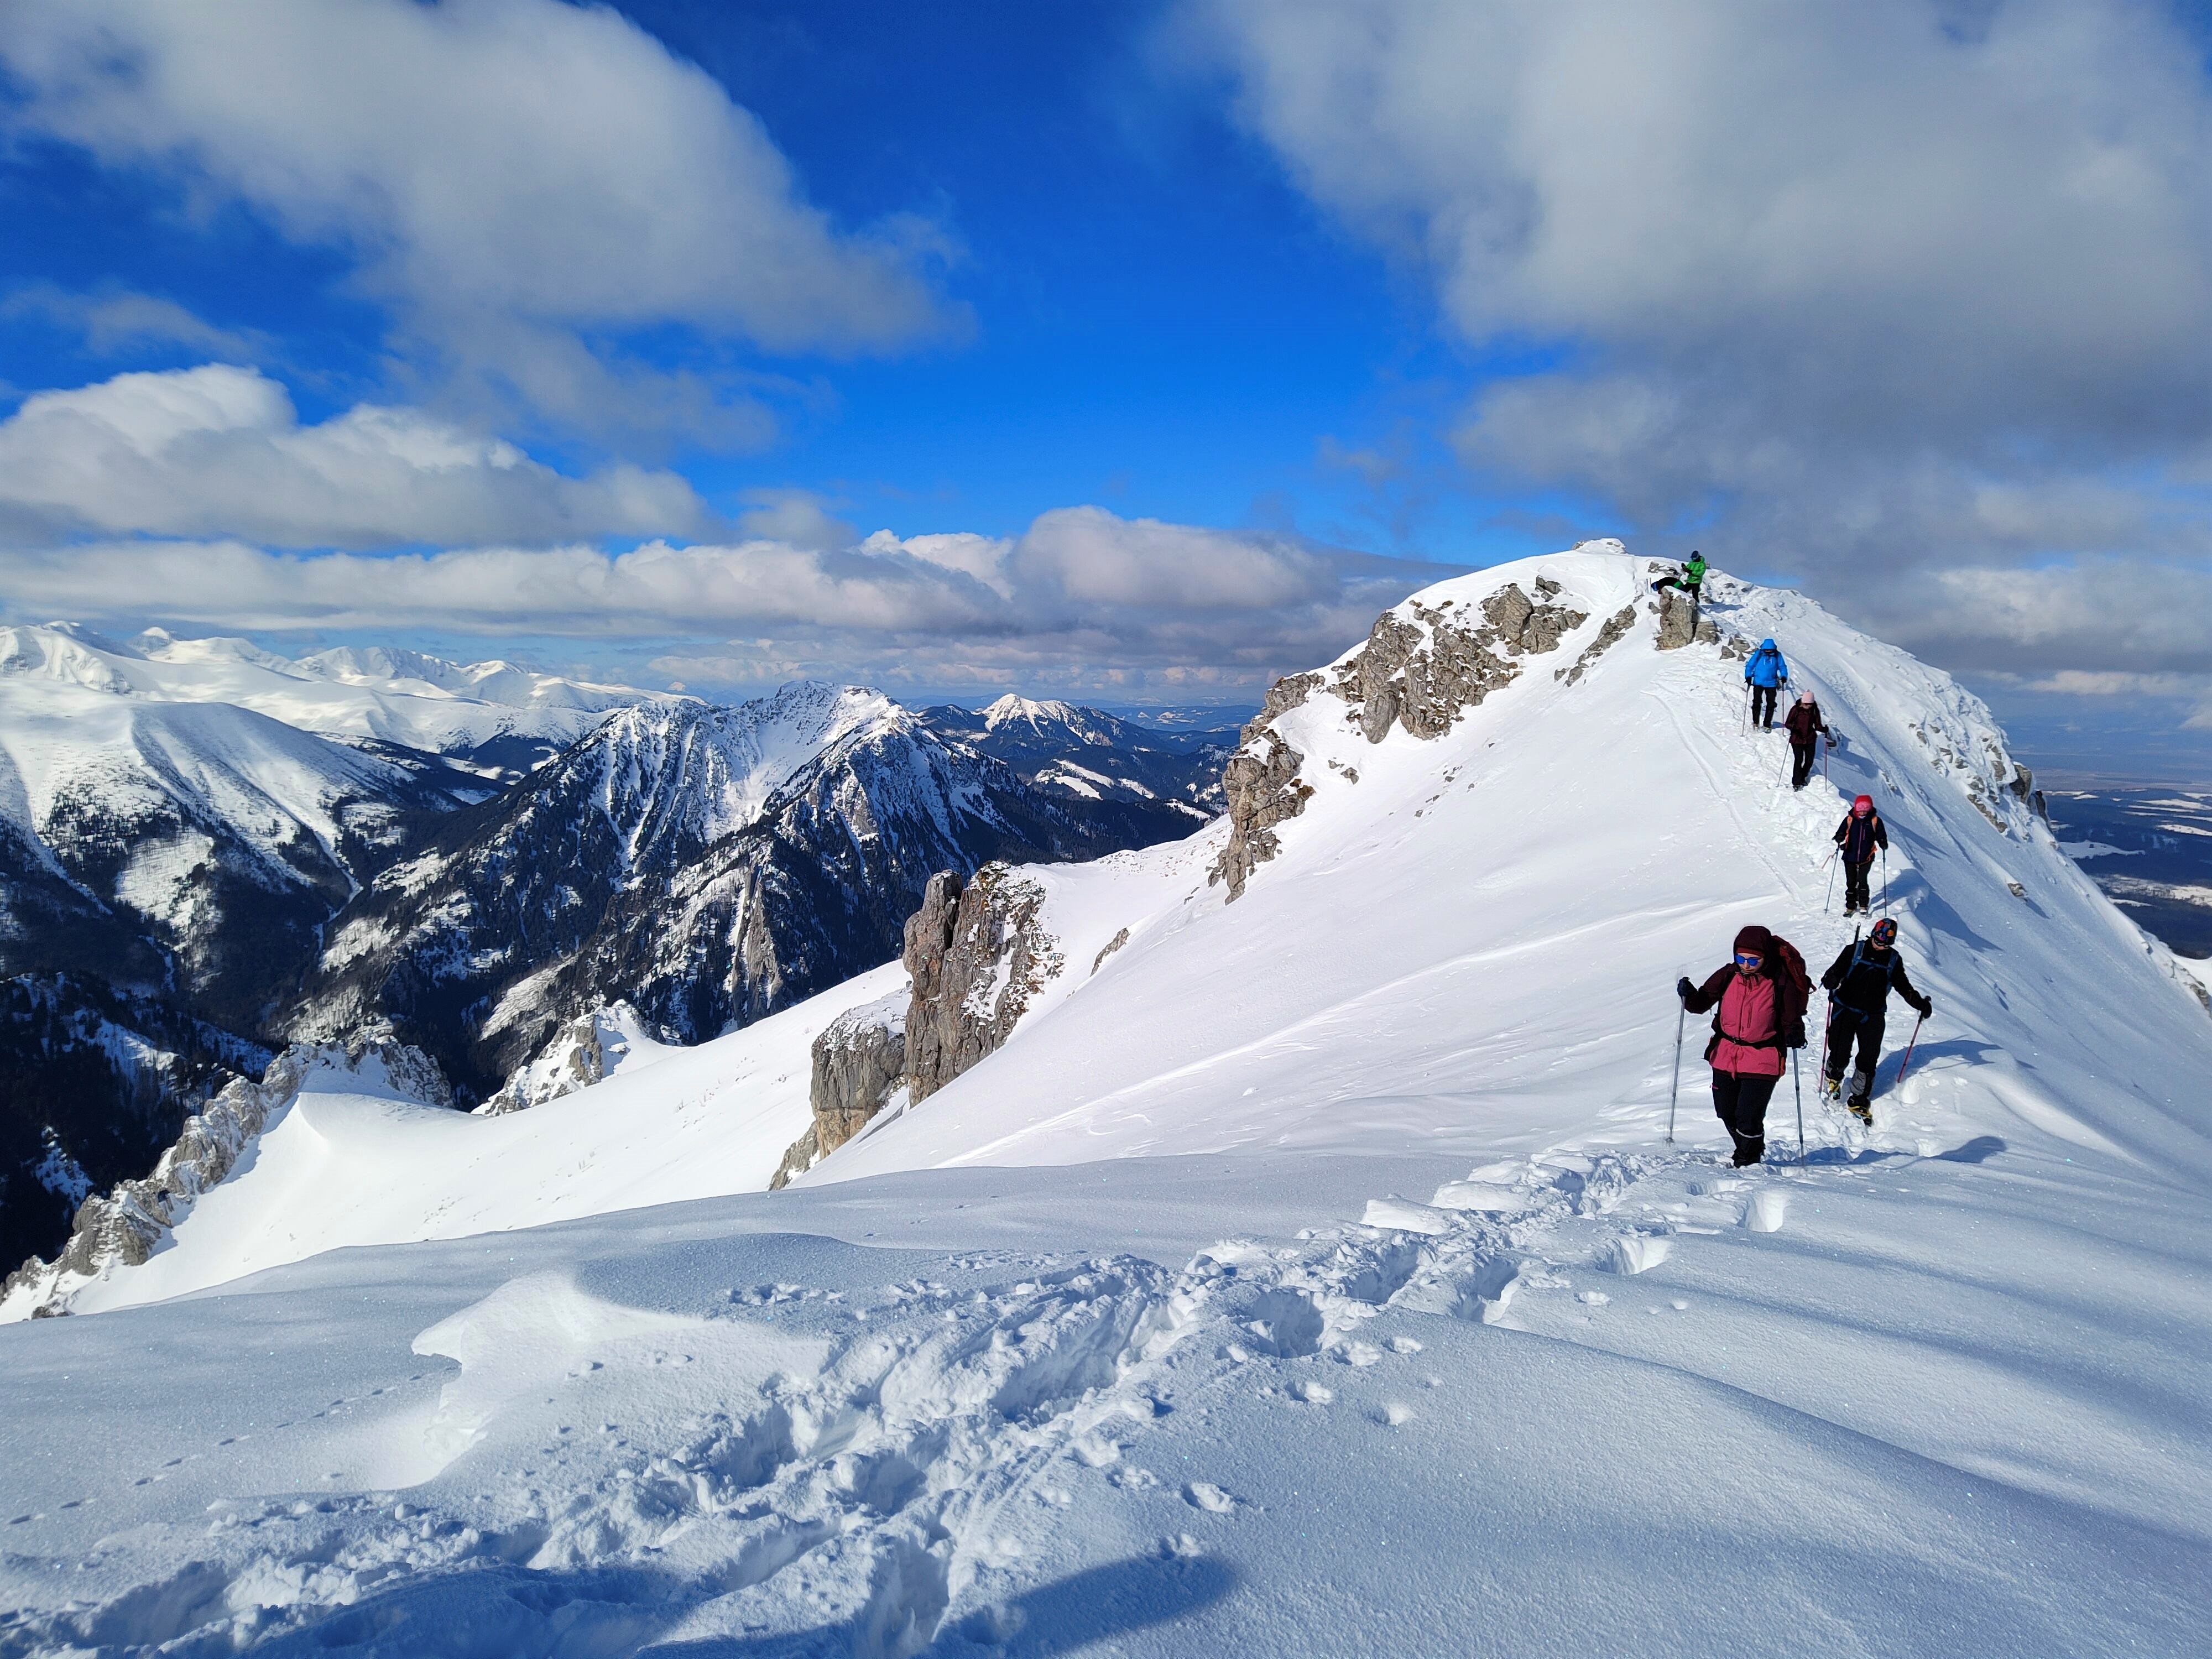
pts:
[1189, 331]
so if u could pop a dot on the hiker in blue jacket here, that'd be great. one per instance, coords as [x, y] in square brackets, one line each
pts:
[1766, 674]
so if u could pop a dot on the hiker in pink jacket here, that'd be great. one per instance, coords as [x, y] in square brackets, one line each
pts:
[1759, 1014]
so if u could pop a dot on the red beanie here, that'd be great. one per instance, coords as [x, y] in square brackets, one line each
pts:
[1862, 805]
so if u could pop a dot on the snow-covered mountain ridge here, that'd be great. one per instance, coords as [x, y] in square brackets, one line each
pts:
[494, 711]
[1302, 1271]
[708, 864]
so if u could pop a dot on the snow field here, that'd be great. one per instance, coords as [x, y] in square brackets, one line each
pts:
[342, 1168]
[683, 1425]
[1309, 1275]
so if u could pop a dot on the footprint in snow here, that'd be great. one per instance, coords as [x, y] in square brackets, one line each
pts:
[1765, 1213]
[1634, 1253]
[1314, 1393]
[1205, 1495]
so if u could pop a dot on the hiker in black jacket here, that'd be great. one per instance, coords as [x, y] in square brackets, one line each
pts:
[1858, 984]
[1858, 837]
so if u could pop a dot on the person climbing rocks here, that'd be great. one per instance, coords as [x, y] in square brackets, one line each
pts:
[1758, 1002]
[1858, 984]
[1806, 727]
[1858, 838]
[1766, 673]
[1690, 578]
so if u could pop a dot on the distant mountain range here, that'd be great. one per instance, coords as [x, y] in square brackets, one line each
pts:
[207, 850]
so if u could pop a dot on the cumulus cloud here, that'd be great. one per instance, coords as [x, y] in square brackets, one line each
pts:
[1080, 598]
[1856, 289]
[220, 451]
[521, 179]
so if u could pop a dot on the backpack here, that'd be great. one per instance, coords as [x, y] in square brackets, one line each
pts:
[1793, 995]
[1795, 988]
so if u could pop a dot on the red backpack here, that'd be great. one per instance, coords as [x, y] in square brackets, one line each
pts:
[1794, 988]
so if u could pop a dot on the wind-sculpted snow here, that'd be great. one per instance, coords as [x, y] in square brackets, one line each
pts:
[1735, 1401]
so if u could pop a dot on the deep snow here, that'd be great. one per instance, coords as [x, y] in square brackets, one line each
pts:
[1312, 1278]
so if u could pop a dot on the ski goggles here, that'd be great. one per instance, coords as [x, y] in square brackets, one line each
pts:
[1748, 959]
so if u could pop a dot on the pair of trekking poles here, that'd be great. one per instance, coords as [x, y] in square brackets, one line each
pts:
[1674, 1089]
[1832, 860]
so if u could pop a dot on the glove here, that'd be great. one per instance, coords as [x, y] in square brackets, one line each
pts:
[1927, 1006]
[1683, 988]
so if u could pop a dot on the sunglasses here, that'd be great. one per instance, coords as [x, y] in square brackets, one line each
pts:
[1749, 958]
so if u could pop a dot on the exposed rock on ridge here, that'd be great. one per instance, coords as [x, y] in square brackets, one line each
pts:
[122, 1228]
[976, 956]
[859, 1062]
[1421, 670]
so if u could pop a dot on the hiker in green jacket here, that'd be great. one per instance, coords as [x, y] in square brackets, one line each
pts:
[1689, 578]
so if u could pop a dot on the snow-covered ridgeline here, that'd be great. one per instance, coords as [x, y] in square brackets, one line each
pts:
[402, 698]
[1420, 1308]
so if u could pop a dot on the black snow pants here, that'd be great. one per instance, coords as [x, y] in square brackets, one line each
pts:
[1801, 769]
[1847, 1025]
[1762, 705]
[1739, 1102]
[1855, 887]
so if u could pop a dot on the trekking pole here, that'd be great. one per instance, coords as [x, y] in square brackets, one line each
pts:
[1798, 1088]
[1747, 709]
[1907, 1065]
[1831, 862]
[1885, 881]
[1681, 1013]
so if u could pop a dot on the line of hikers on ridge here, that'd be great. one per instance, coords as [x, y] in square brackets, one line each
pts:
[1760, 997]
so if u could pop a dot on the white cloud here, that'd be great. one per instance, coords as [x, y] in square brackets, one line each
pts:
[1854, 288]
[1080, 598]
[219, 451]
[519, 178]
[114, 320]
[797, 516]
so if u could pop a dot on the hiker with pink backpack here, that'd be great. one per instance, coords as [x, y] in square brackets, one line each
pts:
[1759, 1000]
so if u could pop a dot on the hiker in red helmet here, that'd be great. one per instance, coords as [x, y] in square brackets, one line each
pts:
[1858, 838]
[1759, 1001]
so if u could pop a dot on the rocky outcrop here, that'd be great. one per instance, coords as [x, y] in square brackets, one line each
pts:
[123, 1227]
[582, 1052]
[1262, 784]
[1681, 625]
[1421, 670]
[859, 1062]
[1108, 948]
[978, 954]
[1424, 675]
[1616, 626]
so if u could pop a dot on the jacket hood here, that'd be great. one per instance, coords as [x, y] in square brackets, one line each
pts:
[1863, 805]
[1766, 645]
